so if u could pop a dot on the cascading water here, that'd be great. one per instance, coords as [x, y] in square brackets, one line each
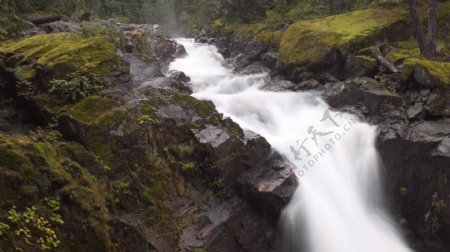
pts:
[337, 206]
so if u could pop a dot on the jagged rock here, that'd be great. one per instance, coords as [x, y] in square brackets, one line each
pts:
[415, 111]
[253, 50]
[417, 158]
[270, 59]
[254, 68]
[230, 226]
[366, 92]
[141, 71]
[166, 82]
[308, 85]
[270, 185]
[282, 85]
[179, 76]
[135, 236]
[226, 52]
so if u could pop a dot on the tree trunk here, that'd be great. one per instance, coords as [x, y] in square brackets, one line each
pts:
[431, 34]
[177, 6]
[427, 43]
[45, 19]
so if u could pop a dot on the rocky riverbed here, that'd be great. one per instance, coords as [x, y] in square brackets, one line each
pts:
[410, 106]
[134, 163]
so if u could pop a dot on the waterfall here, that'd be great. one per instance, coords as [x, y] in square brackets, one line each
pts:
[337, 206]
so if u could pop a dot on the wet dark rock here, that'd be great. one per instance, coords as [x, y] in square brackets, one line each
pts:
[283, 85]
[167, 83]
[359, 66]
[179, 76]
[141, 71]
[270, 185]
[226, 52]
[229, 226]
[270, 59]
[239, 62]
[325, 78]
[366, 92]
[417, 158]
[253, 50]
[180, 51]
[254, 68]
[309, 85]
[134, 236]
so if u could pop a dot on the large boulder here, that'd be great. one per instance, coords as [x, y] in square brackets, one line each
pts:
[31, 64]
[324, 43]
[417, 161]
[427, 73]
[148, 42]
[368, 93]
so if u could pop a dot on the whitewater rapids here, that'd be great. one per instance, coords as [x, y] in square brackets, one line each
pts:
[337, 206]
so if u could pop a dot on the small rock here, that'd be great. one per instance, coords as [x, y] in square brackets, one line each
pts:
[179, 76]
[415, 111]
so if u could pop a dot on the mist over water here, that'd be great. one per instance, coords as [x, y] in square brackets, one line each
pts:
[337, 206]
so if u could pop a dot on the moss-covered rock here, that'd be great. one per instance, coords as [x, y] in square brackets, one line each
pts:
[37, 168]
[92, 109]
[59, 53]
[31, 64]
[426, 72]
[312, 41]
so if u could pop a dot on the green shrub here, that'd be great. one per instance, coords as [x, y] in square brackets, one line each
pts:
[35, 225]
[77, 85]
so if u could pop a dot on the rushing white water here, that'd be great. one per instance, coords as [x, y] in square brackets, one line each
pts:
[337, 206]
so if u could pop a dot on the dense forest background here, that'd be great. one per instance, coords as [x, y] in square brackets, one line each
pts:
[182, 15]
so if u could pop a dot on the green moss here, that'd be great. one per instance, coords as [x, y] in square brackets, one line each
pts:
[269, 38]
[91, 109]
[188, 166]
[368, 59]
[98, 140]
[403, 191]
[49, 103]
[309, 41]
[60, 51]
[438, 70]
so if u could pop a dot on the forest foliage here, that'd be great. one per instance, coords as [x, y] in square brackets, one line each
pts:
[182, 15]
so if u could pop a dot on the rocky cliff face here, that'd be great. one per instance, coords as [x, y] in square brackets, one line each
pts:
[100, 151]
[410, 106]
